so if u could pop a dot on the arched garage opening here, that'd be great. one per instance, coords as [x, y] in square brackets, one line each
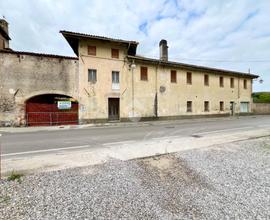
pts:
[51, 110]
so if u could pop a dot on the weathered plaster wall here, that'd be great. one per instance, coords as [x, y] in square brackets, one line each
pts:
[2, 42]
[172, 102]
[25, 76]
[94, 96]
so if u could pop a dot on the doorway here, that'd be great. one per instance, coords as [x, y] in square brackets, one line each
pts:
[232, 108]
[113, 104]
[244, 107]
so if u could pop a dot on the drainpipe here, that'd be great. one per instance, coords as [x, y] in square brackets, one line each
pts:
[133, 66]
[156, 96]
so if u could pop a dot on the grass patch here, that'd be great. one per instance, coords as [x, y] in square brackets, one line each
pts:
[4, 199]
[267, 146]
[15, 176]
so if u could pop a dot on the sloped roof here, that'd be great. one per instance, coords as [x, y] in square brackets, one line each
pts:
[73, 40]
[192, 67]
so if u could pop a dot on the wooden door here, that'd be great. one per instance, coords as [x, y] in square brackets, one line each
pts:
[113, 108]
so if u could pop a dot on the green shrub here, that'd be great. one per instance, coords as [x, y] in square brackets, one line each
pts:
[261, 97]
[15, 176]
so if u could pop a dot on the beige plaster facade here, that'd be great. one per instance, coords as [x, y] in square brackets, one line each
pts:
[24, 75]
[149, 101]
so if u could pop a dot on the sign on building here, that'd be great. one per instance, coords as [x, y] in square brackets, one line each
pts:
[64, 105]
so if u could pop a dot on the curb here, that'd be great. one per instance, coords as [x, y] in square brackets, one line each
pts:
[112, 124]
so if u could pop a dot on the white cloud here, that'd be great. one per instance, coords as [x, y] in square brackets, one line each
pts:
[207, 30]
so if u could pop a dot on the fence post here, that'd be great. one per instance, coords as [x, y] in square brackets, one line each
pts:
[50, 118]
[27, 121]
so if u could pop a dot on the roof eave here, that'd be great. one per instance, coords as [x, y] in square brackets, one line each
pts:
[194, 67]
[73, 40]
[4, 33]
[73, 43]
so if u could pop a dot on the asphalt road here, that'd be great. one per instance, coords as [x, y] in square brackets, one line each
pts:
[45, 141]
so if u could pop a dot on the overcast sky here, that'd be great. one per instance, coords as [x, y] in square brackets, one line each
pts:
[218, 33]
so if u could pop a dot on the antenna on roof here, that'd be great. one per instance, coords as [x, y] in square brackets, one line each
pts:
[248, 70]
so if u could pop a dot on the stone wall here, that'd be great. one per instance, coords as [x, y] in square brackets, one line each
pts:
[261, 108]
[24, 75]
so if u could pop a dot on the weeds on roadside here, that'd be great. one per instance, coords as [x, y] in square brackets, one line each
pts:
[4, 199]
[15, 176]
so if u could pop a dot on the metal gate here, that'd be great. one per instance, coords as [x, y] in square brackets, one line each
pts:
[51, 118]
[43, 111]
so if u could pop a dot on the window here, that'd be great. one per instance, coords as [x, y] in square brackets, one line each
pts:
[206, 80]
[115, 77]
[115, 80]
[189, 106]
[245, 84]
[221, 106]
[173, 76]
[189, 78]
[206, 106]
[144, 73]
[221, 81]
[92, 50]
[232, 82]
[92, 75]
[115, 53]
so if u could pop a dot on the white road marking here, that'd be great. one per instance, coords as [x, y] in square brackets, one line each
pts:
[119, 142]
[217, 131]
[47, 150]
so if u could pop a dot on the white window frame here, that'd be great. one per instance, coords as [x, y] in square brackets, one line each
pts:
[115, 80]
[92, 75]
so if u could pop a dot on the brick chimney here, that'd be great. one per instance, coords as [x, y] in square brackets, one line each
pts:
[4, 34]
[163, 49]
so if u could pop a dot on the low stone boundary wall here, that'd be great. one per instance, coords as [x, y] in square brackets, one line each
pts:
[261, 108]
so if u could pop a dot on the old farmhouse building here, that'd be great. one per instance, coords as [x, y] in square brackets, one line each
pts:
[107, 80]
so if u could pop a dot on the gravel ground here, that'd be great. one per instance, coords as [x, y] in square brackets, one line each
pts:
[222, 182]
